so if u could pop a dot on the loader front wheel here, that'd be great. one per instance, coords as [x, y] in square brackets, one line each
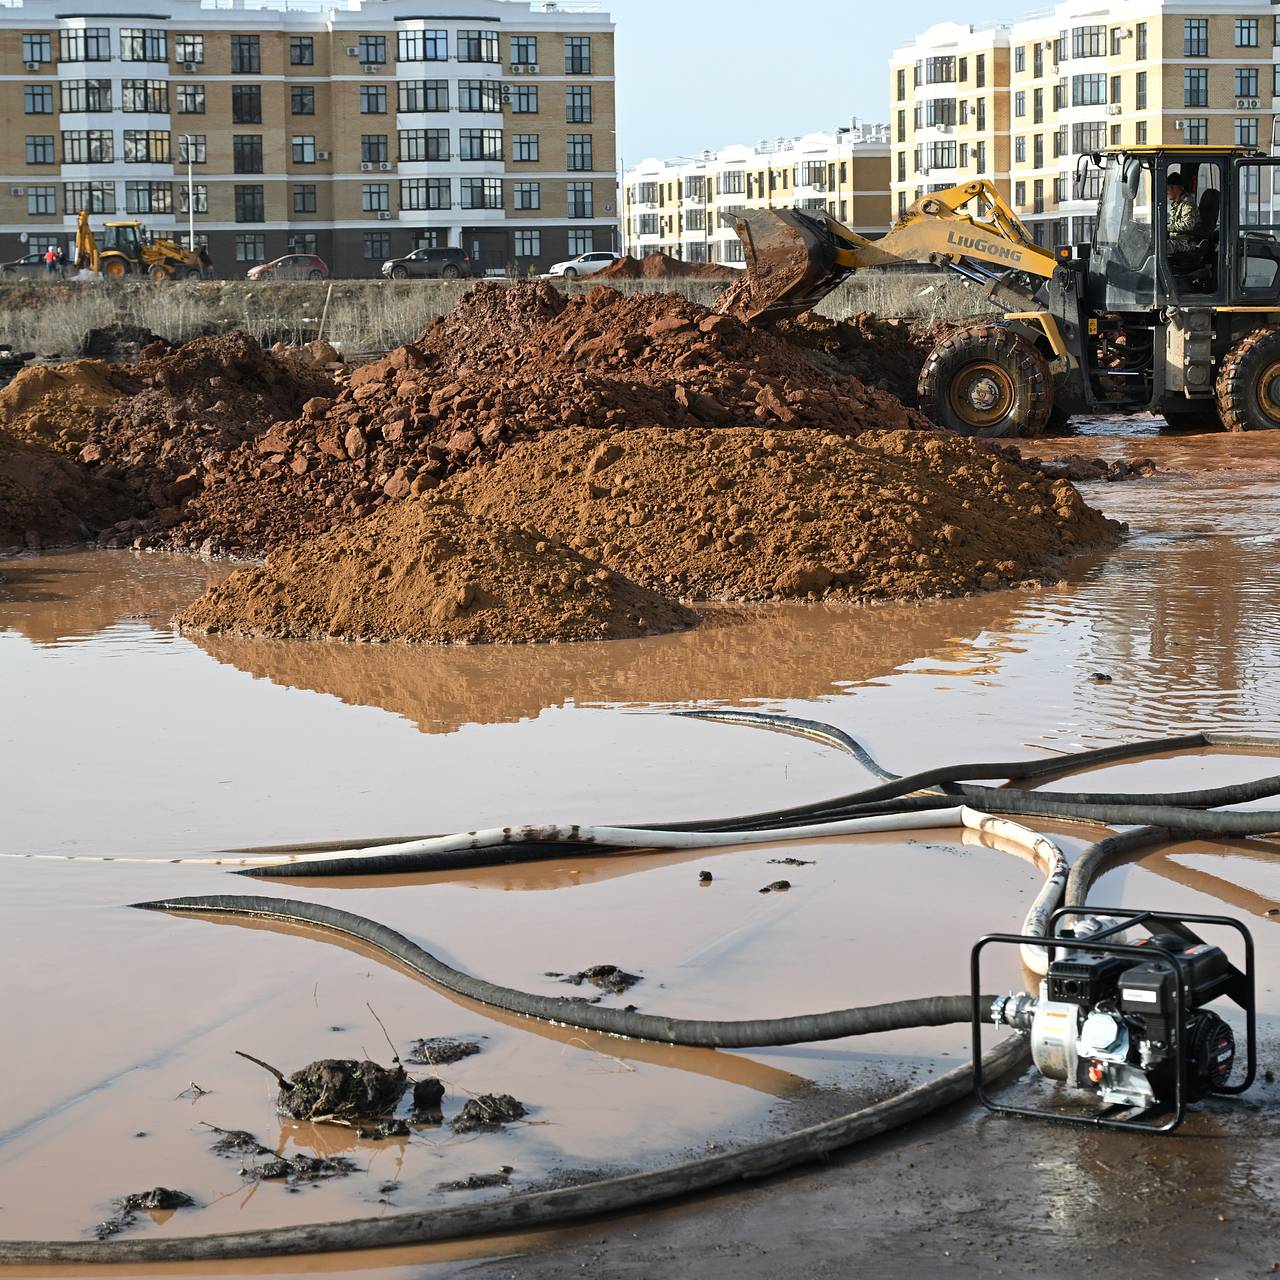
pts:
[1248, 387]
[986, 380]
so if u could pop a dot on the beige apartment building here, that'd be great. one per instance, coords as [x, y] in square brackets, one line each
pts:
[1063, 83]
[359, 133]
[686, 207]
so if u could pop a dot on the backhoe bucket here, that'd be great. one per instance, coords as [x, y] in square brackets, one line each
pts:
[791, 264]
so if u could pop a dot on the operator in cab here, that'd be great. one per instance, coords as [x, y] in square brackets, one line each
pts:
[1184, 217]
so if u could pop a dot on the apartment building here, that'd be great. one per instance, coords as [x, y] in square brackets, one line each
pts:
[1075, 79]
[358, 133]
[686, 207]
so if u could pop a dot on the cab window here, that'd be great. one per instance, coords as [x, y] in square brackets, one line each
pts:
[1258, 199]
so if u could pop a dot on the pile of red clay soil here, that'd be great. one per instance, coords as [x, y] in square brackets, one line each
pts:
[427, 572]
[505, 365]
[662, 266]
[755, 514]
[54, 404]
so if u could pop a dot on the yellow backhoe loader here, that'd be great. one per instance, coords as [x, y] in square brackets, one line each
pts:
[124, 251]
[1136, 321]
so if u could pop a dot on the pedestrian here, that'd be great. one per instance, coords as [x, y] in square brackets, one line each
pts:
[62, 261]
[51, 259]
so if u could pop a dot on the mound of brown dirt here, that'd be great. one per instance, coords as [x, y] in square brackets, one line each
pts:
[47, 500]
[428, 572]
[54, 403]
[751, 514]
[661, 266]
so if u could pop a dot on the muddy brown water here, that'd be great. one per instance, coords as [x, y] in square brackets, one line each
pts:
[120, 738]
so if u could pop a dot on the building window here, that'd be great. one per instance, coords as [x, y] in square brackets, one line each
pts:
[939, 70]
[478, 46]
[480, 144]
[429, 95]
[86, 95]
[148, 197]
[579, 152]
[1247, 131]
[734, 182]
[377, 246]
[980, 70]
[189, 99]
[582, 200]
[1060, 95]
[528, 195]
[89, 44]
[524, 147]
[980, 157]
[1246, 33]
[902, 166]
[250, 204]
[246, 104]
[1246, 82]
[144, 95]
[982, 113]
[251, 248]
[963, 74]
[371, 49]
[482, 193]
[192, 148]
[1088, 91]
[88, 146]
[1140, 41]
[373, 148]
[524, 99]
[1020, 150]
[424, 46]
[1089, 42]
[1140, 133]
[1019, 104]
[304, 242]
[1196, 133]
[246, 152]
[1116, 49]
[37, 99]
[194, 199]
[1115, 89]
[577, 99]
[1140, 91]
[40, 149]
[479, 95]
[304, 149]
[1037, 106]
[42, 201]
[304, 197]
[302, 51]
[188, 48]
[528, 244]
[143, 44]
[1037, 151]
[577, 55]
[1060, 188]
[375, 197]
[1020, 58]
[93, 197]
[37, 48]
[1115, 135]
[425, 193]
[1195, 38]
[1275, 80]
[373, 99]
[1195, 87]
[1060, 141]
[1019, 193]
[1088, 137]
[524, 51]
[943, 111]
[423, 144]
[146, 146]
[246, 55]
[302, 100]
[581, 242]
[942, 155]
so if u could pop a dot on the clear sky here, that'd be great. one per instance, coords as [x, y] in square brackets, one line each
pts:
[695, 74]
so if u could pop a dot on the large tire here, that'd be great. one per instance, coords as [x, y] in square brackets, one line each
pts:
[986, 380]
[451, 271]
[1248, 387]
[158, 273]
[115, 268]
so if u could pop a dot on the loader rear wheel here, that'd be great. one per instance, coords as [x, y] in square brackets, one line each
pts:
[986, 380]
[158, 274]
[1248, 387]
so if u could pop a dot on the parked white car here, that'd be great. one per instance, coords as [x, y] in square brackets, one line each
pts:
[586, 265]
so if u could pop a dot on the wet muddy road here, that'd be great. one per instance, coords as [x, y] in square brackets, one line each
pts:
[120, 738]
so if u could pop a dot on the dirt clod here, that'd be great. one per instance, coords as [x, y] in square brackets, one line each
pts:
[488, 1111]
[339, 1089]
[157, 1200]
[778, 886]
[607, 977]
[441, 1051]
[428, 1094]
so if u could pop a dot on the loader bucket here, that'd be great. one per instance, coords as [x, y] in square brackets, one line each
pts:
[791, 265]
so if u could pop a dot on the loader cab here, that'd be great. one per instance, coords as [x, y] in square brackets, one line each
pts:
[1255, 234]
[122, 237]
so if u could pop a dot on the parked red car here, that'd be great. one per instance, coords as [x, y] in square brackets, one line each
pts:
[293, 266]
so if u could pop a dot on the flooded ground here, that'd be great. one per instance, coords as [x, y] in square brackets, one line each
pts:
[120, 738]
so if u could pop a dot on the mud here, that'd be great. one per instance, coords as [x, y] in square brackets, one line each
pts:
[488, 1112]
[778, 886]
[339, 1089]
[157, 1200]
[479, 1181]
[260, 1163]
[440, 1051]
[604, 977]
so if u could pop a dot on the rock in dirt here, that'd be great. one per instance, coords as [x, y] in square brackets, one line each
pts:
[441, 1051]
[705, 877]
[428, 1094]
[800, 514]
[606, 977]
[427, 572]
[488, 1111]
[157, 1200]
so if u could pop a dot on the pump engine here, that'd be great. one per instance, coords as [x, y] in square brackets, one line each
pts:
[1128, 1023]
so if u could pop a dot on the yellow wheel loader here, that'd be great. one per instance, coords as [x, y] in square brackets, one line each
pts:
[124, 251]
[1136, 321]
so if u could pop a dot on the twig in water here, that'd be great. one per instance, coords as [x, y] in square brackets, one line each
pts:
[395, 1057]
[266, 1066]
[193, 1089]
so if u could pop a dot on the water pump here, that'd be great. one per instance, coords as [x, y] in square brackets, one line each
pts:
[1127, 1023]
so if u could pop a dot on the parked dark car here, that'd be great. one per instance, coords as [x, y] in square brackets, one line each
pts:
[32, 264]
[293, 266]
[424, 264]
